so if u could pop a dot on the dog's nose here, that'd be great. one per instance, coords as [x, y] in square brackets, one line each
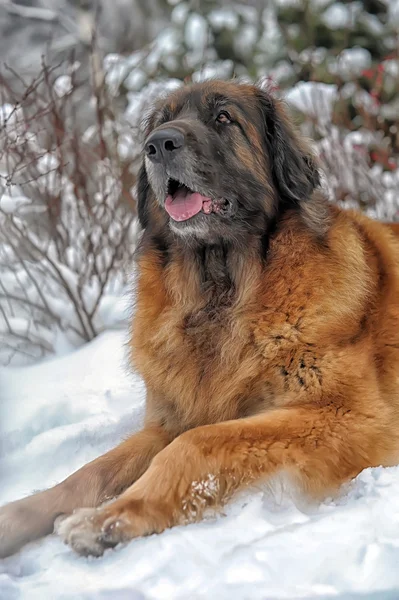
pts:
[163, 144]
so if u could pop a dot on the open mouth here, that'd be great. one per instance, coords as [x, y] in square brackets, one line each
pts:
[182, 203]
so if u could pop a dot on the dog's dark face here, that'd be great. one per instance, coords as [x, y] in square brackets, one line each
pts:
[221, 159]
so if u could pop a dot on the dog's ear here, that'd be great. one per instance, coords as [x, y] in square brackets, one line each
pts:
[293, 167]
[143, 188]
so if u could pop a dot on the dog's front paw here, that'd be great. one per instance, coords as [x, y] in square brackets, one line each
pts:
[90, 531]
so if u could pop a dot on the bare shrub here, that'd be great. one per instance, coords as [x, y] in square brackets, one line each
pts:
[357, 138]
[67, 214]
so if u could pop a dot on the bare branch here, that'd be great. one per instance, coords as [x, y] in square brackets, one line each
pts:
[62, 249]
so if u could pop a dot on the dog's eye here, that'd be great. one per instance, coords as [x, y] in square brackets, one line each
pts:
[223, 117]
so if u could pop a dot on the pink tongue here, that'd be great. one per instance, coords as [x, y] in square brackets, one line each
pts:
[184, 204]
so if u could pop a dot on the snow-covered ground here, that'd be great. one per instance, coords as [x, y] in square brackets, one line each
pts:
[58, 415]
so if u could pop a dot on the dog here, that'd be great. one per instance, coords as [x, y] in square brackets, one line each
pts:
[266, 330]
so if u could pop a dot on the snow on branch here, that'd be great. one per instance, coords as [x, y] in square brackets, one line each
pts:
[67, 216]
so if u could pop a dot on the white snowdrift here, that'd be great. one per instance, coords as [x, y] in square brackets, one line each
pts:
[58, 415]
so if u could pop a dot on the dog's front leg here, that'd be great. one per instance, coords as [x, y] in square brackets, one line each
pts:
[102, 479]
[320, 446]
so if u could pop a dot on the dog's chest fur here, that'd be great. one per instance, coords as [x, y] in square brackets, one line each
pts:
[228, 356]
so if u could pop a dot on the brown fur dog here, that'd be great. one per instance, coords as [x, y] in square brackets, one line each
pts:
[266, 330]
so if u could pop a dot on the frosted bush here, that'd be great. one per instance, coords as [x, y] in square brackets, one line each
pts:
[67, 226]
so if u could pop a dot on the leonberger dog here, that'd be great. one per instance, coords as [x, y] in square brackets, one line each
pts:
[266, 330]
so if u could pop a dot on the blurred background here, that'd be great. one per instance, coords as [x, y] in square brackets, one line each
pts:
[76, 79]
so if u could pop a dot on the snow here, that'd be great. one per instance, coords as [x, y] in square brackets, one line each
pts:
[6, 111]
[63, 85]
[222, 69]
[246, 39]
[337, 16]
[352, 61]
[135, 80]
[314, 99]
[179, 13]
[223, 18]
[58, 415]
[11, 204]
[196, 32]
[393, 12]
[46, 163]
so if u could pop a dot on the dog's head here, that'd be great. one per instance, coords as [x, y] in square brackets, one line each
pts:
[220, 160]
